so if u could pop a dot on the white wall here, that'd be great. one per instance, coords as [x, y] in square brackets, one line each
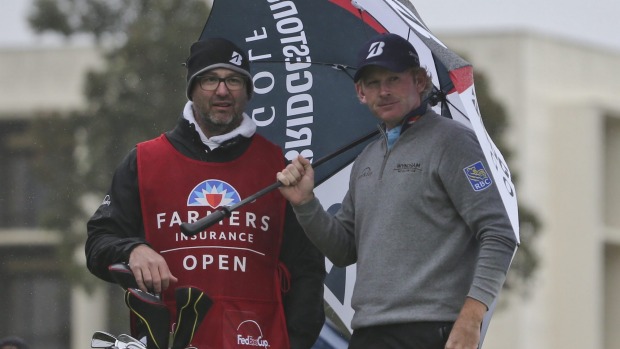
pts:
[43, 80]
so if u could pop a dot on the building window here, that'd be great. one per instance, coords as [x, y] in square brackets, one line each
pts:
[22, 196]
[34, 299]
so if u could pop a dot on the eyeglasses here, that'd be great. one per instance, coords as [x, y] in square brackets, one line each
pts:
[211, 82]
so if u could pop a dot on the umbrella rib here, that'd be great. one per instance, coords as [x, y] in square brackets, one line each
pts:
[313, 62]
[339, 66]
[457, 109]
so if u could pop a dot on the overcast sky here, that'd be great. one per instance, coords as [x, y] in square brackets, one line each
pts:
[594, 22]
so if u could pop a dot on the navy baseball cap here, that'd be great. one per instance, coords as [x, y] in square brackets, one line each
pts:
[390, 51]
[212, 53]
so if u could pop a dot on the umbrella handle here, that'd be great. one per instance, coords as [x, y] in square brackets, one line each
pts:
[191, 229]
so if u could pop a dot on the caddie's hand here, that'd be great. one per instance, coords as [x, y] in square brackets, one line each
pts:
[150, 269]
[297, 181]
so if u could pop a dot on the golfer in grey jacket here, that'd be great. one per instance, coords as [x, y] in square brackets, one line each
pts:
[422, 218]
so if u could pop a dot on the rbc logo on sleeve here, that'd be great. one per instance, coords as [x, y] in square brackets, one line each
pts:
[213, 193]
[478, 176]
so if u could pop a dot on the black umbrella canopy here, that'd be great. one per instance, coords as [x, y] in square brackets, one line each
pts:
[303, 59]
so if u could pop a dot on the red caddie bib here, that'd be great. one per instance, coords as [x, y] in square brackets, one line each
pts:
[235, 262]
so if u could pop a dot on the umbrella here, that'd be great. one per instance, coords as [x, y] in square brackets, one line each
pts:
[303, 53]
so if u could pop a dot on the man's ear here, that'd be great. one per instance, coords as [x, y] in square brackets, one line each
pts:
[360, 93]
[420, 79]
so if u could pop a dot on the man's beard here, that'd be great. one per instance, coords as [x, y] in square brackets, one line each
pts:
[220, 126]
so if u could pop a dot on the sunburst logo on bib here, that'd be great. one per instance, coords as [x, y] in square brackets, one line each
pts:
[213, 193]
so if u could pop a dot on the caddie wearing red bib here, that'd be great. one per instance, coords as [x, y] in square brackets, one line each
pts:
[264, 277]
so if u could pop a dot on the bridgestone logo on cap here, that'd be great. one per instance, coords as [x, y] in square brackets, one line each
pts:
[376, 49]
[236, 59]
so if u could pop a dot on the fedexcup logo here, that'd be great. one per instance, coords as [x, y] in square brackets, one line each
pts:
[236, 58]
[250, 334]
[213, 193]
[376, 49]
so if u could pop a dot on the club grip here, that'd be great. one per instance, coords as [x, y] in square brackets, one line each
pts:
[191, 229]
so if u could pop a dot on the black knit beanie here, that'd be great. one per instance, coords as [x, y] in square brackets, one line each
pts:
[212, 53]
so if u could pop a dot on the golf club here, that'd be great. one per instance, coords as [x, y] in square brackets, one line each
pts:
[102, 340]
[131, 342]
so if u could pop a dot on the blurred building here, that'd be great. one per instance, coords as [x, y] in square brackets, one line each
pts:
[36, 303]
[564, 130]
